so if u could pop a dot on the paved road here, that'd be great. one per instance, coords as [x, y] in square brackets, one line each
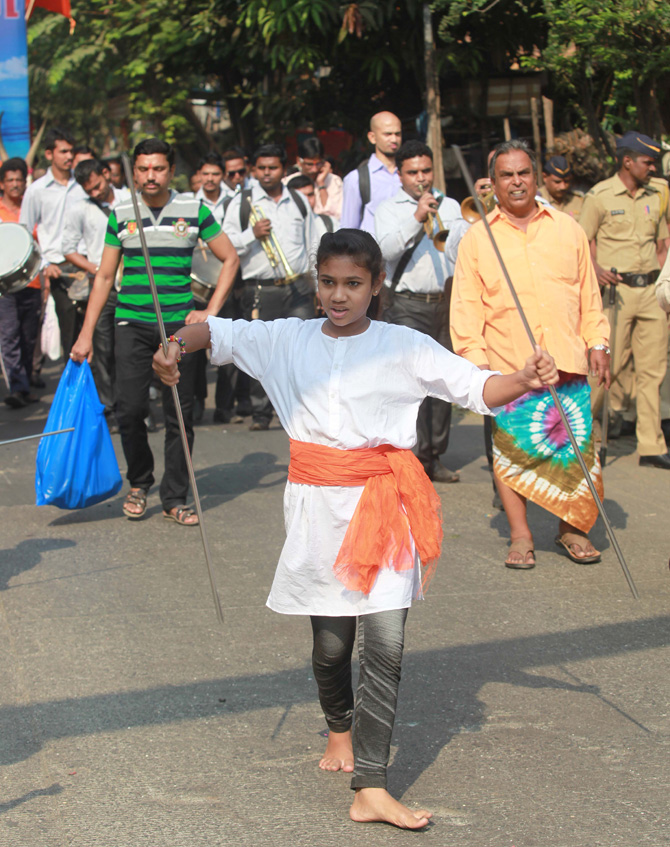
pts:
[534, 705]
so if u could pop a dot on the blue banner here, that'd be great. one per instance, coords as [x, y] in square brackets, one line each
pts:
[14, 116]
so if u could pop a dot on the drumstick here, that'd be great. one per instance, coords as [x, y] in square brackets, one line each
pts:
[201, 245]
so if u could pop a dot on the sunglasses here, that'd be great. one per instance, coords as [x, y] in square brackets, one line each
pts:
[241, 172]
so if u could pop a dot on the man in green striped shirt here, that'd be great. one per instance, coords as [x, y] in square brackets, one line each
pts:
[172, 226]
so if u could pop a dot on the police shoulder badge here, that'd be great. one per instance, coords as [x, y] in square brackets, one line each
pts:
[180, 228]
[131, 226]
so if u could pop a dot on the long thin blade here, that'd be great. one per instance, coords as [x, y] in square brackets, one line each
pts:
[175, 394]
[578, 453]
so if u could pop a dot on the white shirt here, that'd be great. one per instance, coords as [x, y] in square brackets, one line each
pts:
[348, 393]
[297, 236]
[397, 229]
[216, 207]
[85, 222]
[45, 203]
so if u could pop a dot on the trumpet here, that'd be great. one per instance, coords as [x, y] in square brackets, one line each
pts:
[469, 206]
[273, 249]
[439, 239]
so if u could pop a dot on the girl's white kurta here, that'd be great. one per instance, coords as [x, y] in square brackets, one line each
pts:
[348, 393]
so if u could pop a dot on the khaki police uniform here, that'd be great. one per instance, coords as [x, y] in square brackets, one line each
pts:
[572, 205]
[626, 228]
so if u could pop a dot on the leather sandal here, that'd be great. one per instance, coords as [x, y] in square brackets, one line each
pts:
[135, 497]
[567, 540]
[522, 546]
[181, 516]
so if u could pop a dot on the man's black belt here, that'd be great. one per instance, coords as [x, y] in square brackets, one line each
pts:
[423, 298]
[268, 282]
[639, 280]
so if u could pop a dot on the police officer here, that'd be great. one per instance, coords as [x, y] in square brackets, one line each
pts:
[624, 220]
[557, 188]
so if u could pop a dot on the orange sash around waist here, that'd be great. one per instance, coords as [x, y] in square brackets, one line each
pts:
[398, 500]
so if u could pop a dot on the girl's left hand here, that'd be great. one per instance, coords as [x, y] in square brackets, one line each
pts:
[540, 369]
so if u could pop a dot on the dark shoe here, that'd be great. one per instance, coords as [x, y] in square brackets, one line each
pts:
[627, 429]
[258, 426]
[438, 473]
[15, 400]
[243, 411]
[665, 428]
[221, 417]
[662, 461]
[29, 398]
[37, 382]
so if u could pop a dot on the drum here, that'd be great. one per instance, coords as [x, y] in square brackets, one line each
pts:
[20, 258]
[205, 270]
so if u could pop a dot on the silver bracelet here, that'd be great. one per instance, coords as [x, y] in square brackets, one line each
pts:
[602, 347]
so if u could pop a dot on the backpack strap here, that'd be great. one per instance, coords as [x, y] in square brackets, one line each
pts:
[364, 186]
[327, 222]
[299, 201]
[401, 267]
[245, 208]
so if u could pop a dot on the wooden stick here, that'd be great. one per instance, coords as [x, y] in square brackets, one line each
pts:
[537, 142]
[548, 109]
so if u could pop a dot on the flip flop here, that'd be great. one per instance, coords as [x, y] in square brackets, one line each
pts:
[181, 515]
[522, 546]
[137, 497]
[567, 540]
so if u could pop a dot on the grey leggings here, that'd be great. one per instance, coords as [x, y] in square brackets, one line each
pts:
[380, 645]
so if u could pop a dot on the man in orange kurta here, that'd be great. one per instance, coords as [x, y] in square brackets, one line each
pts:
[547, 256]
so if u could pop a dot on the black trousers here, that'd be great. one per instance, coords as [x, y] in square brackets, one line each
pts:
[275, 301]
[381, 639]
[103, 365]
[135, 347]
[19, 326]
[434, 419]
[70, 316]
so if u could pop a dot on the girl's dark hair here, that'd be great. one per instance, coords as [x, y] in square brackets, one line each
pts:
[363, 251]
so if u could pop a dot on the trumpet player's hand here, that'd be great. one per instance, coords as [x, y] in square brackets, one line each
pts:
[483, 186]
[166, 367]
[427, 206]
[262, 228]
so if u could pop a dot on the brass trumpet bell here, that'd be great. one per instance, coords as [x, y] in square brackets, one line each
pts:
[469, 211]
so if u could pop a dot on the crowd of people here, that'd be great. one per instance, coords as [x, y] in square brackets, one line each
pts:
[358, 310]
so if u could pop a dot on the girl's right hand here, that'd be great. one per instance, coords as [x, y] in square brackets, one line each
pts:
[166, 367]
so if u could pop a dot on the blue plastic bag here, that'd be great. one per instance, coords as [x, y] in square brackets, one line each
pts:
[76, 469]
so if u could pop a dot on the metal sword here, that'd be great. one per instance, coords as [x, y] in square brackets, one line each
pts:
[39, 435]
[578, 453]
[175, 394]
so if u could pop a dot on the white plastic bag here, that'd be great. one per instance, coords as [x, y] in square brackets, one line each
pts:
[51, 331]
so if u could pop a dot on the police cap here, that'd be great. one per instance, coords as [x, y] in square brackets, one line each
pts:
[557, 166]
[639, 143]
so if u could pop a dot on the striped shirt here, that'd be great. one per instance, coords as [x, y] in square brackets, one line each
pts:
[171, 237]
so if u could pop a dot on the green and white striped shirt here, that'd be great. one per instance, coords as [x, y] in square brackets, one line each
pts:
[171, 237]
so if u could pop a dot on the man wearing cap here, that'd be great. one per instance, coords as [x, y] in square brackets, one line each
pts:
[624, 220]
[557, 188]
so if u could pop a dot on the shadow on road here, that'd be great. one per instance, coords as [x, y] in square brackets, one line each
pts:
[26, 555]
[440, 692]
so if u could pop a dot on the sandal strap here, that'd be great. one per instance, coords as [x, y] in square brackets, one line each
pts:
[138, 498]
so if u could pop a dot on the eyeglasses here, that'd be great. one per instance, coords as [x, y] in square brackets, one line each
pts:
[241, 172]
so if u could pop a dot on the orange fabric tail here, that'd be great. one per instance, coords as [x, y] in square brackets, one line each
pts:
[398, 503]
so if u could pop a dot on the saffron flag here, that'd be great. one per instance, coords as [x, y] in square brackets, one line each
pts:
[61, 7]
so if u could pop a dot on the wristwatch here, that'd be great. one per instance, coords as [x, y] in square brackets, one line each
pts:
[602, 347]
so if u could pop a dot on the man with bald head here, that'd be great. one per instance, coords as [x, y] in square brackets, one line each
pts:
[376, 179]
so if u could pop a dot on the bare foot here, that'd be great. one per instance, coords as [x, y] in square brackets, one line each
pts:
[339, 755]
[376, 804]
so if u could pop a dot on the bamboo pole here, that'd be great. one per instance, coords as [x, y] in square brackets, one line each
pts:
[537, 142]
[433, 102]
[548, 109]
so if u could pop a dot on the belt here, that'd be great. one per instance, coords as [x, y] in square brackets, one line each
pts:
[639, 280]
[268, 282]
[423, 298]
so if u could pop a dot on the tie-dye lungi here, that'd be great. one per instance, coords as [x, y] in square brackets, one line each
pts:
[532, 453]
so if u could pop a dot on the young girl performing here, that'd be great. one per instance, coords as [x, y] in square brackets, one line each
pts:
[361, 515]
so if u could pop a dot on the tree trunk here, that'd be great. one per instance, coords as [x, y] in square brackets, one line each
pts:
[433, 104]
